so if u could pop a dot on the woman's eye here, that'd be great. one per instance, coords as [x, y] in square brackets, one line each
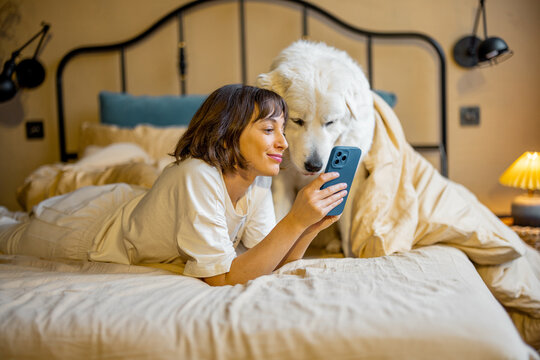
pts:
[269, 130]
[297, 121]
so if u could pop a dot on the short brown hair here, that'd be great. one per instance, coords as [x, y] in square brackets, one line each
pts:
[213, 135]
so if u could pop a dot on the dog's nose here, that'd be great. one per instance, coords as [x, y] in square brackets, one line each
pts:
[313, 164]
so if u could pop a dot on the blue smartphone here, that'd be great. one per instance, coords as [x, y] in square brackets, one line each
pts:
[344, 160]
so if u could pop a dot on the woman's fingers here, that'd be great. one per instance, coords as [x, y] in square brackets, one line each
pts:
[323, 198]
[325, 222]
[313, 203]
[323, 178]
[314, 187]
[332, 201]
[332, 189]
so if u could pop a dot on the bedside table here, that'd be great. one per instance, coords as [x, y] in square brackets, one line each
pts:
[529, 234]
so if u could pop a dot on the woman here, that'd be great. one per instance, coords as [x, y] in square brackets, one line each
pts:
[214, 197]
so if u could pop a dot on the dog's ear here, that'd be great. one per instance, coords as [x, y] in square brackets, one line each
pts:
[359, 103]
[275, 81]
[264, 81]
[350, 101]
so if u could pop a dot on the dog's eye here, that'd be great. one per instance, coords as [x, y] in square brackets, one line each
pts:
[298, 121]
[328, 123]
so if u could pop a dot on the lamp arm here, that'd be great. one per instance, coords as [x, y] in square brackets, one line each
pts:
[484, 17]
[46, 29]
[42, 32]
[9, 66]
[475, 26]
[476, 18]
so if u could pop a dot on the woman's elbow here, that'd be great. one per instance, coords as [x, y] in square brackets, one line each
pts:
[220, 280]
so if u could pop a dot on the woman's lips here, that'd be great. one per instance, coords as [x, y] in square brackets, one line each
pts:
[276, 157]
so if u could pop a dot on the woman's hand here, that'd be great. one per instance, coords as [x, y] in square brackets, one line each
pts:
[322, 224]
[312, 204]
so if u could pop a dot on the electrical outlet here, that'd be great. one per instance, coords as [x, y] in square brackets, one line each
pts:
[469, 115]
[34, 129]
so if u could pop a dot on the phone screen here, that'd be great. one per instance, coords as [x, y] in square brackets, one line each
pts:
[344, 160]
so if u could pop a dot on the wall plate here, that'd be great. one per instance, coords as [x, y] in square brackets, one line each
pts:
[469, 116]
[34, 129]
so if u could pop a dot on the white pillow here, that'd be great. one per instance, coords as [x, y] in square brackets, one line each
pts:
[118, 153]
[155, 141]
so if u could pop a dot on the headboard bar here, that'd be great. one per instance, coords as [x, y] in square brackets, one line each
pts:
[305, 6]
[181, 54]
[123, 68]
[305, 32]
[243, 56]
[369, 60]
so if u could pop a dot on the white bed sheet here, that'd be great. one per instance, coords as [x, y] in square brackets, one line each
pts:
[425, 304]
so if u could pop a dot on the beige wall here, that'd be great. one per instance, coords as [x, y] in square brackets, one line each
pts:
[507, 93]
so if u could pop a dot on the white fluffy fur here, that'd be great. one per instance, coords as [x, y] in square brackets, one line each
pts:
[327, 90]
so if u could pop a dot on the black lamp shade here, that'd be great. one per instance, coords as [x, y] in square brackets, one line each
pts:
[30, 73]
[465, 51]
[492, 48]
[7, 88]
[470, 51]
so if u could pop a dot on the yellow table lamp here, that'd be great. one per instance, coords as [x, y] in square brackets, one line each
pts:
[524, 173]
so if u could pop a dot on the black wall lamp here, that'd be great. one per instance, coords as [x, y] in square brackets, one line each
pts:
[29, 73]
[470, 51]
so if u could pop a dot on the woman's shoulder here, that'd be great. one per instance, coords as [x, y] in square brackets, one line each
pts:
[191, 168]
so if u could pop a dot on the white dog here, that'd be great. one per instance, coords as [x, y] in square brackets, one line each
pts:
[330, 103]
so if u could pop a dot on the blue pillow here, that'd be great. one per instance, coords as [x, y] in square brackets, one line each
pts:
[125, 110]
[387, 96]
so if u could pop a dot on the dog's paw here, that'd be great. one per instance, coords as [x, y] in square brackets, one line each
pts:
[328, 240]
[333, 247]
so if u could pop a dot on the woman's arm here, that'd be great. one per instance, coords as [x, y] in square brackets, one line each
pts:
[300, 246]
[290, 237]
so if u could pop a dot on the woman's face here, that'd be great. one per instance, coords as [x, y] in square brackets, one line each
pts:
[262, 144]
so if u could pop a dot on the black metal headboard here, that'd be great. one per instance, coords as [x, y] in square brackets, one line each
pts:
[306, 8]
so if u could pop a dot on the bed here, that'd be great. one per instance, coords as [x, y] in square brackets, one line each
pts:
[421, 291]
[426, 304]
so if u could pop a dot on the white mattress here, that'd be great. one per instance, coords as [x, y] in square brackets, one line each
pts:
[426, 304]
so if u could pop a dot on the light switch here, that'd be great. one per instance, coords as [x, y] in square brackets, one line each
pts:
[469, 115]
[34, 129]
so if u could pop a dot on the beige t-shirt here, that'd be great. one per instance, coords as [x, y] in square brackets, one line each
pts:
[187, 217]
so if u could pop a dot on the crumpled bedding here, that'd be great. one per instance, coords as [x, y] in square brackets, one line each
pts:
[405, 203]
[429, 303]
[115, 163]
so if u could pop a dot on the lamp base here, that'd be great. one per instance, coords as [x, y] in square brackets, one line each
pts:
[466, 51]
[526, 210]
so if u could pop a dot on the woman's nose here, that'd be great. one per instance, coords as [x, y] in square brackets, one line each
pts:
[282, 141]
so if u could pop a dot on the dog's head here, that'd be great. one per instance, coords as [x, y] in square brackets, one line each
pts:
[329, 101]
